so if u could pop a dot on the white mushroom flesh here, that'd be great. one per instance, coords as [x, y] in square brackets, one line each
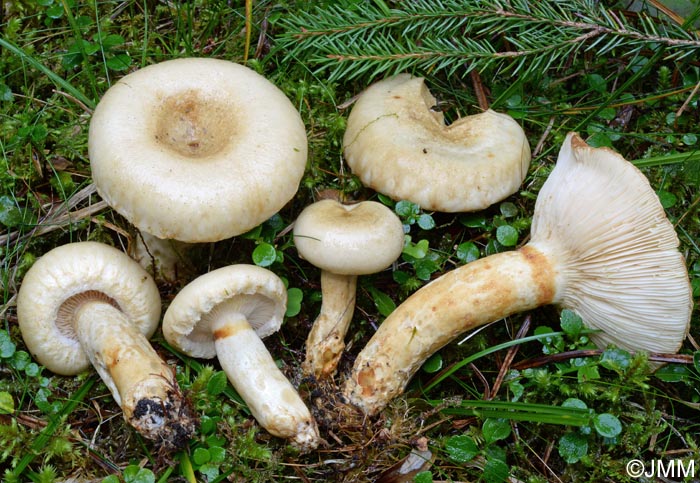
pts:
[271, 398]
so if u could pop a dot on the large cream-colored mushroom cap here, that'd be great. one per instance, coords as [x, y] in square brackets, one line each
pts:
[83, 269]
[195, 149]
[355, 239]
[402, 148]
[256, 292]
[600, 220]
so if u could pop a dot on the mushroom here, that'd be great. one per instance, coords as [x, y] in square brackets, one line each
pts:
[88, 303]
[398, 145]
[196, 150]
[344, 241]
[600, 245]
[224, 314]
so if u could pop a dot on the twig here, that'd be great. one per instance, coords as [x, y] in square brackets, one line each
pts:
[59, 217]
[510, 355]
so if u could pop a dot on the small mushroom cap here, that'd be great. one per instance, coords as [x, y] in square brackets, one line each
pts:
[53, 287]
[196, 150]
[354, 239]
[402, 148]
[618, 254]
[253, 291]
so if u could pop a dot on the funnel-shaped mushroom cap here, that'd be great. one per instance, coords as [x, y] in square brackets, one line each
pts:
[253, 291]
[399, 146]
[599, 218]
[354, 239]
[197, 150]
[67, 275]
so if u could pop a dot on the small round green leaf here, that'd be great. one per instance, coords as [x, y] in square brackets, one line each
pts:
[217, 383]
[615, 359]
[570, 322]
[433, 364]
[294, 298]
[461, 449]
[495, 429]
[468, 252]
[508, 209]
[7, 404]
[496, 470]
[573, 402]
[507, 235]
[423, 477]
[672, 373]
[264, 255]
[201, 456]
[426, 221]
[607, 425]
[573, 446]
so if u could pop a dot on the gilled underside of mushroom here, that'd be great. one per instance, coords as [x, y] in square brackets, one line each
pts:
[600, 245]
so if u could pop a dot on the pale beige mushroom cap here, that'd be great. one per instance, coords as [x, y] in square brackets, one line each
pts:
[195, 149]
[355, 239]
[400, 147]
[255, 292]
[616, 250]
[83, 269]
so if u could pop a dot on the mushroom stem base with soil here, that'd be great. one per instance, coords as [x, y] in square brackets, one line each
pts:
[140, 382]
[325, 342]
[489, 289]
[270, 396]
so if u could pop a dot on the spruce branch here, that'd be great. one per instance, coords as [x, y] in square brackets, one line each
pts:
[449, 35]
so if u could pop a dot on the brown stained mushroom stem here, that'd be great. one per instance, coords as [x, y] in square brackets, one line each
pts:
[88, 303]
[601, 245]
[142, 384]
[344, 241]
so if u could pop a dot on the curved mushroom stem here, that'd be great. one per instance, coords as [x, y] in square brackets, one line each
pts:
[160, 257]
[482, 291]
[270, 396]
[142, 384]
[325, 343]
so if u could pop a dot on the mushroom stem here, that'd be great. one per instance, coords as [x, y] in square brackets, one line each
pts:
[163, 258]
[482, 291]
[139, 380]
[270, 396]
[325, 343]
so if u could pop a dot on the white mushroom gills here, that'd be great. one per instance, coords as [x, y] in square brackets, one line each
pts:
[271, 398]
[613, 259]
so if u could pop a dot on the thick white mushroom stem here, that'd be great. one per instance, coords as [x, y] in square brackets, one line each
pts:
[477, 293]
[270, 396]
[325, 342]
[142, 384]
[162, 258]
